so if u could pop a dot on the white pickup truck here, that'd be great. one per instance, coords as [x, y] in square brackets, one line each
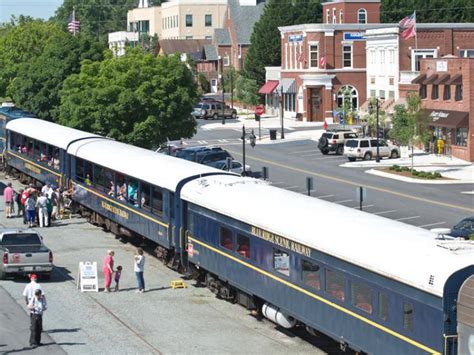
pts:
[23, 252]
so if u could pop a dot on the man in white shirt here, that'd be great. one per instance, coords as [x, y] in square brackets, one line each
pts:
[29, 291]
[139, 267]
[47, 190]
[42, 205]
[37, 306]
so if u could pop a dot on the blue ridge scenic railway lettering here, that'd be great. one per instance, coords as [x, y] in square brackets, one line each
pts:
[281, 241]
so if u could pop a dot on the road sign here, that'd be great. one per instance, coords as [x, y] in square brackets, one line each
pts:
[259, 110]
[88, 281]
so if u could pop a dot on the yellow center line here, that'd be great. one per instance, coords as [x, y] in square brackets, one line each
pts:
[348, 182]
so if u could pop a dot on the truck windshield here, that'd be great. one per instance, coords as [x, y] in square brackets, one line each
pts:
[21, 239]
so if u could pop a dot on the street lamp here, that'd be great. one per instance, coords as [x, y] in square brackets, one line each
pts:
[371, 110]
[281, 113]
[253, 140]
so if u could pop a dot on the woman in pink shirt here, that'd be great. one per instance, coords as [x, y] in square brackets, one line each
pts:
[8, 198]
[108, 269]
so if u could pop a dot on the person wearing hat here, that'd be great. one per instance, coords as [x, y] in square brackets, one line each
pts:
[37, 306]
[30, 289]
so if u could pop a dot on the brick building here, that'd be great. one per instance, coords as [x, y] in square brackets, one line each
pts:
[446, 88]
[352, 55]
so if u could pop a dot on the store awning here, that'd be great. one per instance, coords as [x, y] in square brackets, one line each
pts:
[268, 87]
[455, 80]
[442, 79]
[448, 119]
[288, 85]
[430, 80]
[419, 79]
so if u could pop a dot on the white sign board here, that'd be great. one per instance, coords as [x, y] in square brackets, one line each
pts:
[441, 65]
[88, 280]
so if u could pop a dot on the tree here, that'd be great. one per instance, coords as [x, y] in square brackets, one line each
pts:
[410, 126]
[247, 91]
[97, 17]
[137, 98]
[22, 41]
[371, 118]
[38, 82]
[265, 49]
[230, 79]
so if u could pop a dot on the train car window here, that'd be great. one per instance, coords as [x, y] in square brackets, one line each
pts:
[120, 187]
[281, 262]
[361, 296]
[103, 178]
[335, 284]
[243, 245]
[43, 152]
[226, 238]
[190, 221]
[408, 316]
[89, 174]
[157, 201]
[383, 306]
[310, 274]
[171, 195]
[29, 147]
[79, 169]
[145, 190]
[55, 160]
[36, 150]
[132, 192]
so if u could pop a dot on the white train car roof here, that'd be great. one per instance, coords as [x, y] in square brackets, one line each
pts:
[406, 253]
[47, 132]
[146, 165]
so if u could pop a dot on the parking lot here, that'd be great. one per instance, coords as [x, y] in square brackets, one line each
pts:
[162, 320]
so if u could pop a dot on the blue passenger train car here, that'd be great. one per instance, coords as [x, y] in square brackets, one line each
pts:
[373, 284]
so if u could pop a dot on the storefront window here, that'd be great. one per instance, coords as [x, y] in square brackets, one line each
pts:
[461, 137]
[447, 93]
[347, 94]
[423, 91]
[458, 92]
[435, 92]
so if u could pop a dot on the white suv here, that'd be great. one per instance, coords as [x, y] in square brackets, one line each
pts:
[366, 148]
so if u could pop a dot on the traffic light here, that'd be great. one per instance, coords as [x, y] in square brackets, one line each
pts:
[257, 117]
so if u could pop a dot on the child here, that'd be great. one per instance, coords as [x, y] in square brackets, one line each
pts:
[117, 277]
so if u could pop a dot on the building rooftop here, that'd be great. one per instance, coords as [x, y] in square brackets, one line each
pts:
[188, 46]
[244, 18]
[210, 52]
[222, 36]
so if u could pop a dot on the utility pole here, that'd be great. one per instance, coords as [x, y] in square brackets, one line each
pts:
[377, 160]
[281, 113]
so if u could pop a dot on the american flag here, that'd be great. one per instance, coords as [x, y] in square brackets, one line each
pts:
[322, 62]
[408, 26]
[73, 25]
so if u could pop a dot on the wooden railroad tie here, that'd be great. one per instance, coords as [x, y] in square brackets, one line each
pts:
[178, 284]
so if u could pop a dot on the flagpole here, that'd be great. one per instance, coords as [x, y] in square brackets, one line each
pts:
[416, 34]
[74, 20]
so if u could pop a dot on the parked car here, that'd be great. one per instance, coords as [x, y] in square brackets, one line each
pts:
[236, 167]
[366, 148]
[191, 153]
[171, 148]
[334, 141]
[464, 229]
[214, 110]
[23, 253]
[212, 156]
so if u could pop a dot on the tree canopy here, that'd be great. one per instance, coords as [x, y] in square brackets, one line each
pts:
[38, 81]
[392, 11]
[265, 49]
[21, 42]
[97, 17]
[137, 98]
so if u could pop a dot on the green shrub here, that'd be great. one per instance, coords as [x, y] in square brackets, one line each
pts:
[405, 168]
[437, 175]
[415, 173]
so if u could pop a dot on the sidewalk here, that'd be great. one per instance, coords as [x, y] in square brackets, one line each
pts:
[15, 329]
[460, 171]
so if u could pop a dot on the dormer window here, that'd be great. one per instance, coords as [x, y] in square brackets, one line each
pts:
[362, 16]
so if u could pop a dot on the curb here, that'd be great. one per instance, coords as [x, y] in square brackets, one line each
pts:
[416, 181]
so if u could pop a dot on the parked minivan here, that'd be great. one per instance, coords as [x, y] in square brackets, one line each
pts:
[366, 148]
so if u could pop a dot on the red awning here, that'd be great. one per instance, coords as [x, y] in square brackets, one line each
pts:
[268, 87]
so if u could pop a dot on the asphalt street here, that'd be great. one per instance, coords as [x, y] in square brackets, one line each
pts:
[160, 321]
[290, 163]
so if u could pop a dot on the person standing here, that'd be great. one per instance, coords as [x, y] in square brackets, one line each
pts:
[24, 197]
[19, 204]
[139, 268]
[37, 306]
[42, 205]
[30, 289]
[108, 270]
[8, 198]
[30, 207]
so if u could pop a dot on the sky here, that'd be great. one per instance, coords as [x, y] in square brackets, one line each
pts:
[35, 8]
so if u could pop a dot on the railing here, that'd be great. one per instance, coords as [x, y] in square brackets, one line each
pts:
[406, 77]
